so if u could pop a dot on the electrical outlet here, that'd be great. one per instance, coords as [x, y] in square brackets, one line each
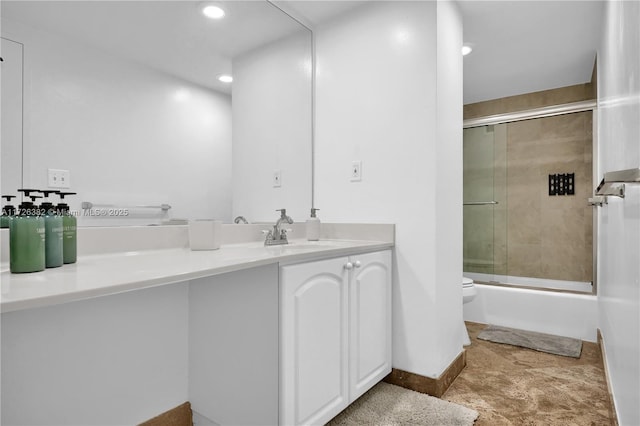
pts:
[356, 171]
[277, 179]
[59, 178]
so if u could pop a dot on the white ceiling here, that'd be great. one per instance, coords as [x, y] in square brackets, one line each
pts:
[315, 12]
[528, 46]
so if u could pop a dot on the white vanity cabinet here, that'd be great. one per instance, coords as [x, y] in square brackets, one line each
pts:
[335, 338]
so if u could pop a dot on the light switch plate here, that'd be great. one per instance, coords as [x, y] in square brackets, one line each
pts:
[356, 171]
[59, 178]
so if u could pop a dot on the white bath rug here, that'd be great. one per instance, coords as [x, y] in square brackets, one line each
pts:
[390, 405]
[557, 345]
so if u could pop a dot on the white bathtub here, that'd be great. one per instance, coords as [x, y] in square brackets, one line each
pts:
[562, 314]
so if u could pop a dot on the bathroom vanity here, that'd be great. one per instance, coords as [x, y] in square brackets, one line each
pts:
[335, 336]
[248, 334]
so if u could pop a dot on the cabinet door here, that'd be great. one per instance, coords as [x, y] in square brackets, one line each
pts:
[370, 321]
[314, 342]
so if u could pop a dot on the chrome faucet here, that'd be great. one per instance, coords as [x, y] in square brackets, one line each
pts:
[278, 235]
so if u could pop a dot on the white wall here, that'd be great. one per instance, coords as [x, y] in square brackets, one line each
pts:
[272, 129]
[378, 101]
[448, 189]
[127, 133]
[11, 117]
[619, 221]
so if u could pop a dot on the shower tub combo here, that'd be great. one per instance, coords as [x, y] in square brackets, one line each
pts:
[528, 227]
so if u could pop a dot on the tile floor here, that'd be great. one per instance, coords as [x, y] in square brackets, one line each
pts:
[508, 385]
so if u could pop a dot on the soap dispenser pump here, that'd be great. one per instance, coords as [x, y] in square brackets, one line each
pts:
[69, 230]
[313, 226]
[52, 231]
[8, 211]
[26, 237]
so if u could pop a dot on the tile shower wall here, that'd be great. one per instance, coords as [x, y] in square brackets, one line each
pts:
[550, 236]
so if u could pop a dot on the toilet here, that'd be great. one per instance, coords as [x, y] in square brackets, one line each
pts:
[468, 294]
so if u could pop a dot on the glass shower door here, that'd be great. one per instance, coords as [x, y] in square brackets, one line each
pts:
[484, 199]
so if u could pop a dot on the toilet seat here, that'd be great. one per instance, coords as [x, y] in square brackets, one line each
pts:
[469, 292]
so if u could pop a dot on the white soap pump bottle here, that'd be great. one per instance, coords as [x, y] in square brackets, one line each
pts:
[313, 226]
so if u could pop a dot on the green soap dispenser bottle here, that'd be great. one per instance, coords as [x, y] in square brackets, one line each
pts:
[8, 211]
[26, 238]
[69, 230]
[52, 231]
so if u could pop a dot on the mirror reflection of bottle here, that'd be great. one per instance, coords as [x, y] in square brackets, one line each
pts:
[8, 211]
[313, 226]
[69, 230]
[26, 237]
[53, 232]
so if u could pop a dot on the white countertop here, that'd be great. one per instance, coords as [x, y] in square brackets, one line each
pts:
[105, 274]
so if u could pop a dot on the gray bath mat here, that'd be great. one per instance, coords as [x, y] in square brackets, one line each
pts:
[391, 405]
[557, 345]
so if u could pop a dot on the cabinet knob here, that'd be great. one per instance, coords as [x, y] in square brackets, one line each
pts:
[357, 264]
[348, 266]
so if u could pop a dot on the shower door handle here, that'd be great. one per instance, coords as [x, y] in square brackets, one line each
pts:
[479, 203]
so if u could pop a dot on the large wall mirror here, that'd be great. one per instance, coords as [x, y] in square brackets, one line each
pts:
[126, 96]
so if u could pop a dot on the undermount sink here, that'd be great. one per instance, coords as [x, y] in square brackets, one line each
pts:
[290, 247]
[294, 246]
[302, 245]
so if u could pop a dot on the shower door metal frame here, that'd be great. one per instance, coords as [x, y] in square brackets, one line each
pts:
[529, 114]
[550, 111]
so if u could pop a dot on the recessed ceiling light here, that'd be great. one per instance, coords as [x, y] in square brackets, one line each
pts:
[181, 95]
[466, 49]
[225, 78]
[213, 12]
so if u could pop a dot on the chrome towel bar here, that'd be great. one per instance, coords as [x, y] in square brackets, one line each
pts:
[613, 182]
[479, 203]
[86, 205]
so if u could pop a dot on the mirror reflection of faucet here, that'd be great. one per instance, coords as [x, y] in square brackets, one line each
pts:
[240, 219]
[277, 235]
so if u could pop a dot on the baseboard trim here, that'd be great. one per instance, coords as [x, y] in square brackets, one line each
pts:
[178, 416]
[612, 406]
[434, 387]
